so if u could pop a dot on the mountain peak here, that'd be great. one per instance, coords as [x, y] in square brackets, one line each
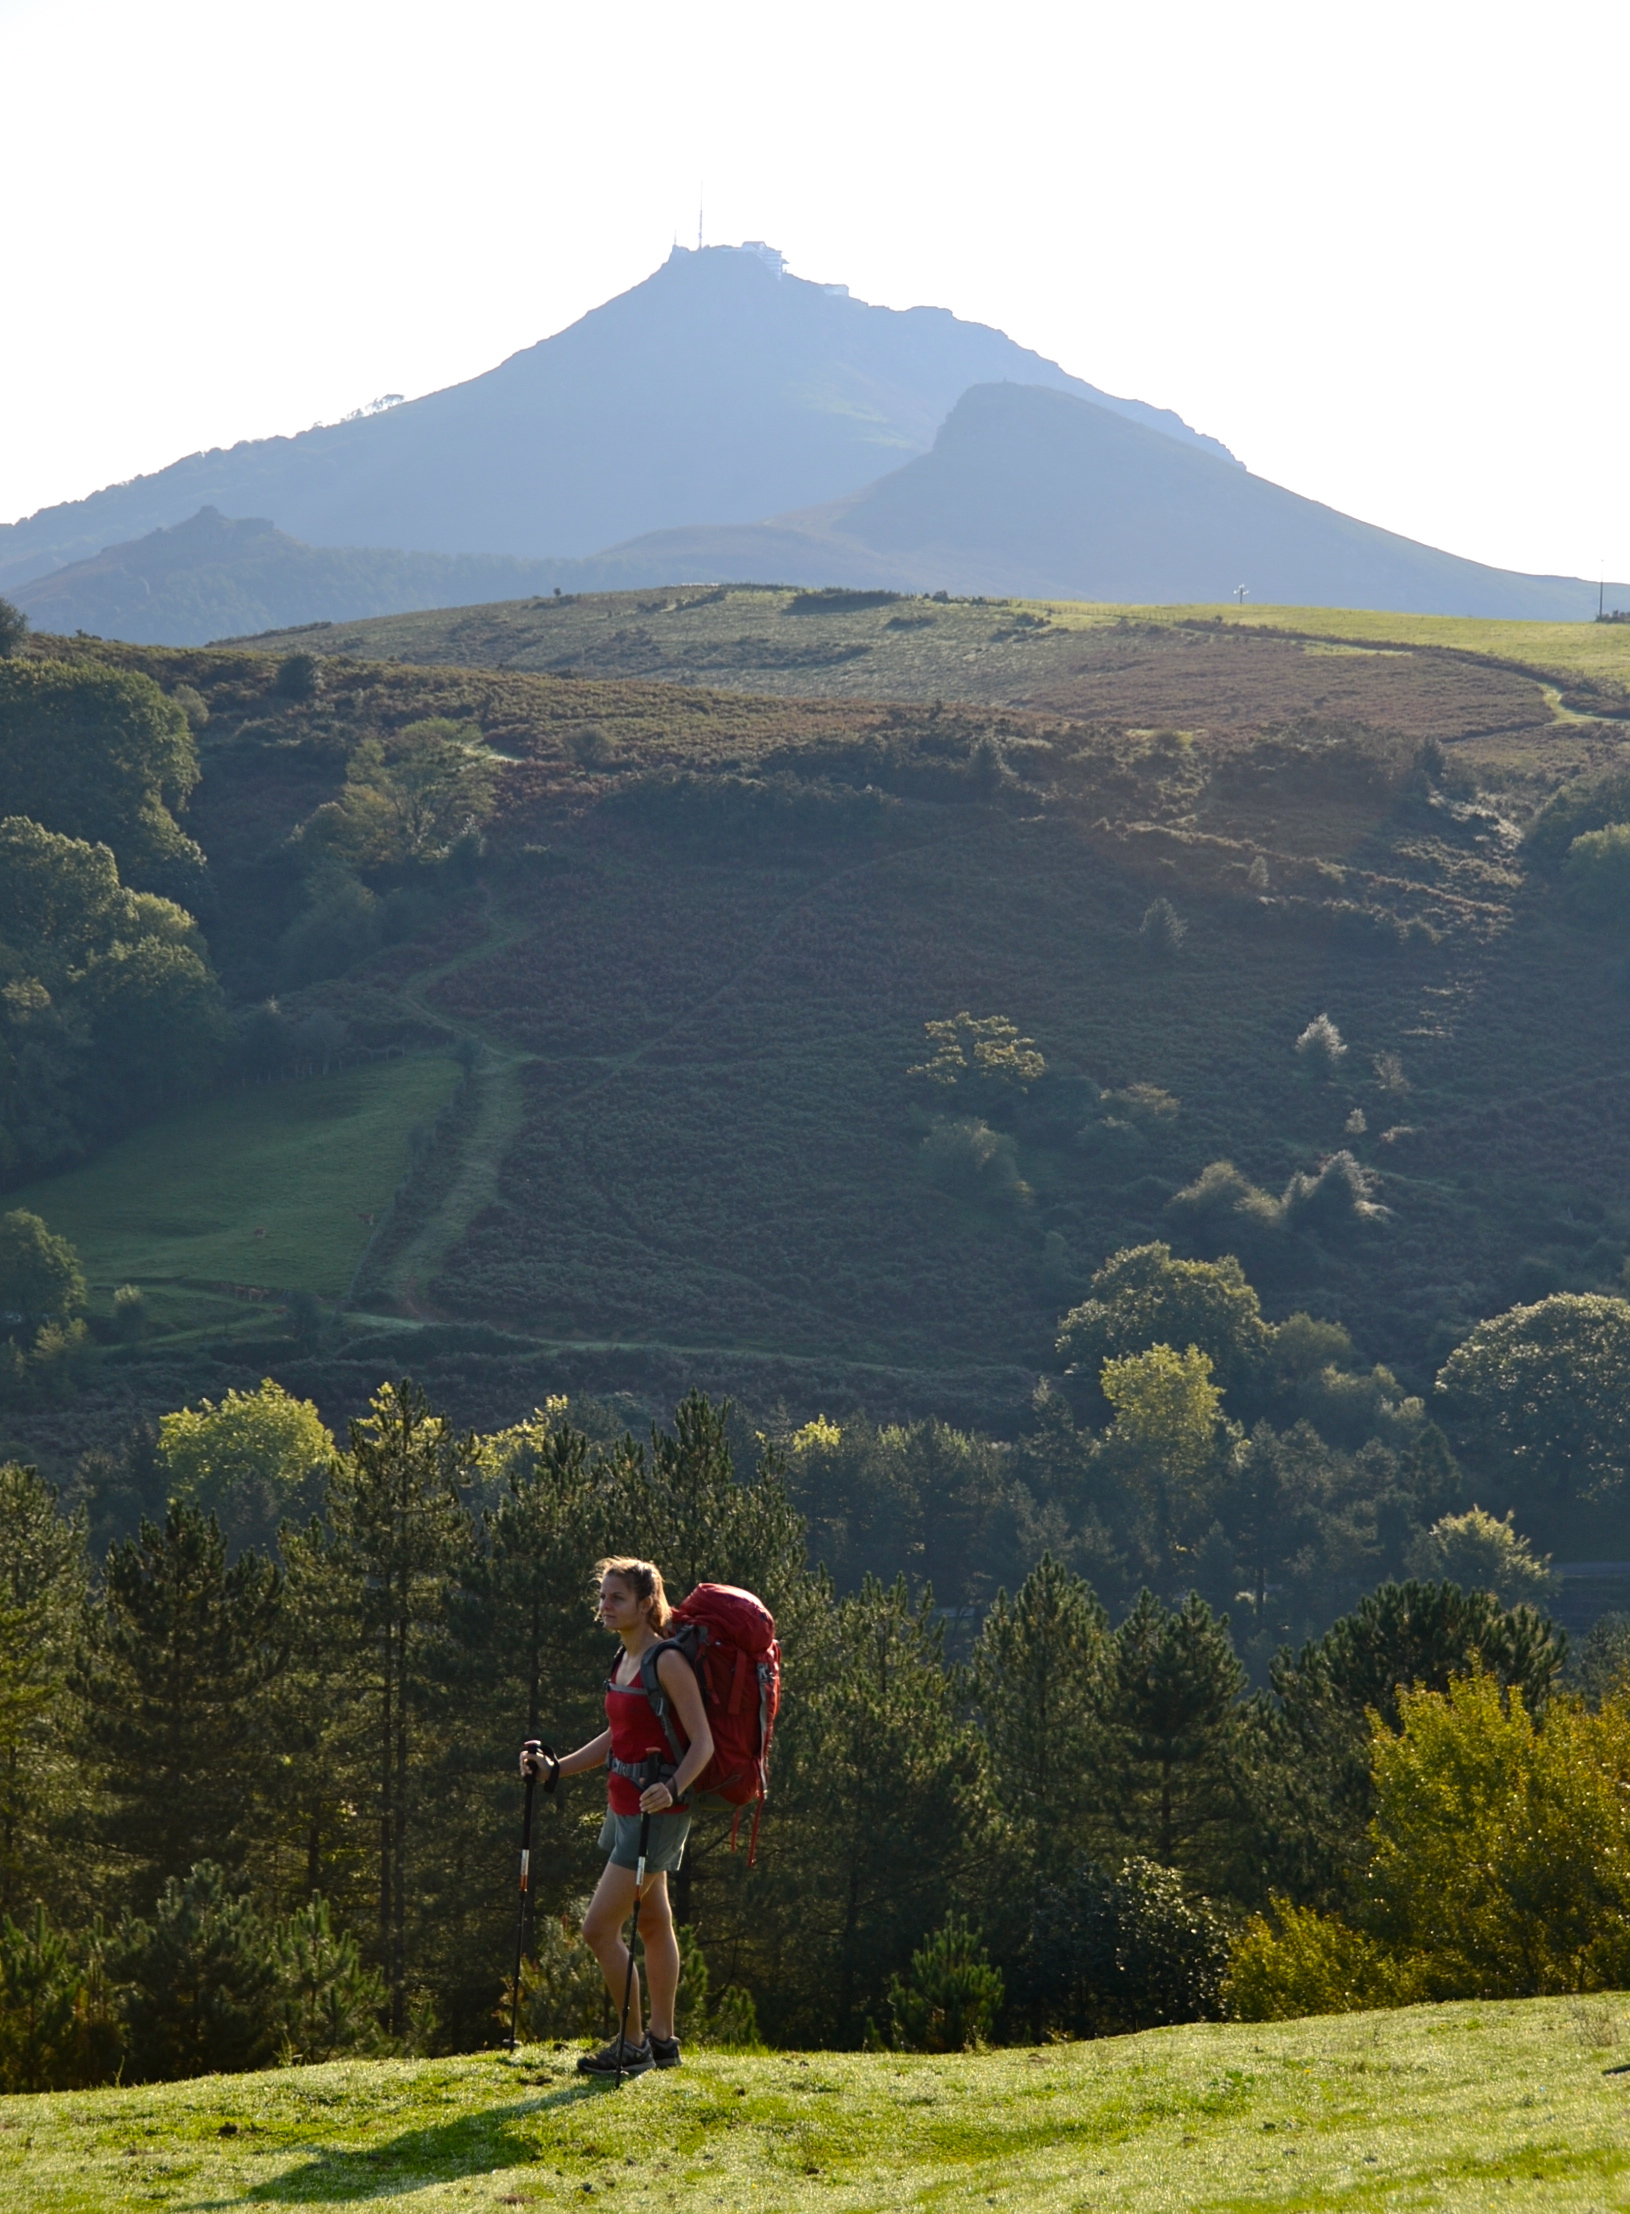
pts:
[719, 389]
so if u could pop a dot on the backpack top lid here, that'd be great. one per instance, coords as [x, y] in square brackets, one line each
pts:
[731, 1615]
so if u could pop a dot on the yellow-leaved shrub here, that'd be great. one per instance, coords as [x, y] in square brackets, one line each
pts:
[1499, 1865]
[1303, 1962]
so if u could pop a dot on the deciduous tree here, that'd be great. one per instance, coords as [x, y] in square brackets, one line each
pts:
[1142, 1297]
[100, 754]
[1543, 1395]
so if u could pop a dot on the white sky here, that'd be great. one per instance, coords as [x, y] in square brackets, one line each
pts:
[1379, 249]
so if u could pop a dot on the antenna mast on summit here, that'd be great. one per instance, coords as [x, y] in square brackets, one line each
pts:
[698, 222]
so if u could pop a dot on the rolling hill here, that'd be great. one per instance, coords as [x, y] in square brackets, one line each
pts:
[718, 390]
[695, 968]
[211, 575]
[1188, 664]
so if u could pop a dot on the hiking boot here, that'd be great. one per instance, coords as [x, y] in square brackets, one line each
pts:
[635, 2060]
[665, 2051]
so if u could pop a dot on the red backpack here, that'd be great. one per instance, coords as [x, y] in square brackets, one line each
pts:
[729, 1639]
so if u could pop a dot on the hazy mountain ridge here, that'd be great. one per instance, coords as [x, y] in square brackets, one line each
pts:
[1034, 493]
[715, 390]
[1027, 492]
[724, 421]
[213, 576]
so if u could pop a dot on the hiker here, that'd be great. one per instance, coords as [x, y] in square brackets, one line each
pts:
[644, 1780]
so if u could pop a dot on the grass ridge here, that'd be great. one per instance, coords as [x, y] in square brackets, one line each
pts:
[1515, 2103]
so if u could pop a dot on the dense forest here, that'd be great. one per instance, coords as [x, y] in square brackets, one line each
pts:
[1143, 1198]
[260, 1804]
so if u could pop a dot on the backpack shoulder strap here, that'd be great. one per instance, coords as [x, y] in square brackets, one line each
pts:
[651, 1685]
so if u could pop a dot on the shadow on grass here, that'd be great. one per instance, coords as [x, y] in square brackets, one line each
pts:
[474, 2144]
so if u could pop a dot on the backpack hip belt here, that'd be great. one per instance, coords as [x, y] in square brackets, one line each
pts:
[646, 1772]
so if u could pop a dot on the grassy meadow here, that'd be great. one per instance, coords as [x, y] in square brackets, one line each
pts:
[775, 641]
[1511, 2105]
[1598, 651]
[274, 1187]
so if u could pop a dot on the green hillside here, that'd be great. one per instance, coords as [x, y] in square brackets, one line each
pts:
[1045, 653]
[263, 1189]
[1453, 2107]
[695, 964]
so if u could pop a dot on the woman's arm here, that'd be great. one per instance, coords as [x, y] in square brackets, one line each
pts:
[592, 1755]
[678, 1680]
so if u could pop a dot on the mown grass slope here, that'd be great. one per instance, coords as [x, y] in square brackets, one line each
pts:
[274, 1187]
[1456, 2107]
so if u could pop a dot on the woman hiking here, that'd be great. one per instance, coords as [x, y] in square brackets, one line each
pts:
[643, 1781]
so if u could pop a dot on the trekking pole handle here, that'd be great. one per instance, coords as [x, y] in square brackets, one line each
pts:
[532, 1752]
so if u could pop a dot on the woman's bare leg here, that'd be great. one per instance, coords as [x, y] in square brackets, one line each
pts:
[609, 1909]
[661, 1954]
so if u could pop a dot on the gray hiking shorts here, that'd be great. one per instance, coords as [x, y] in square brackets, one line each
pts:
[620, 1838]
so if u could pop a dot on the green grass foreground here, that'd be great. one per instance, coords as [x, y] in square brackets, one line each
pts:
[1478, 2105]
[275, 1186]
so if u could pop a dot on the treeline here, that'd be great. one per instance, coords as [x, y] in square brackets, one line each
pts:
[1190, 1443]
[278, 1791]
[112, 918]
[1185, 1442]
[108, 1001]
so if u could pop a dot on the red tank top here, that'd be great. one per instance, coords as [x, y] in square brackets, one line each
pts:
[636, 1735]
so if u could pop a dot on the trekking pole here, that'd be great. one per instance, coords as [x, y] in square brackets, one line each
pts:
[535, 1748]
[633, 1940]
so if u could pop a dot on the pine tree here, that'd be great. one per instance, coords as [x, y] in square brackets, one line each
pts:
[1177, 1729]
[1038, 1679]
[526, 1658]
[59, 2023]
[183, 1652]
[43, 1795]
[529, 1607]
[700, 1521]
[203, 1981]
[882, 1821]
[400, 1536]
[317, 1832]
